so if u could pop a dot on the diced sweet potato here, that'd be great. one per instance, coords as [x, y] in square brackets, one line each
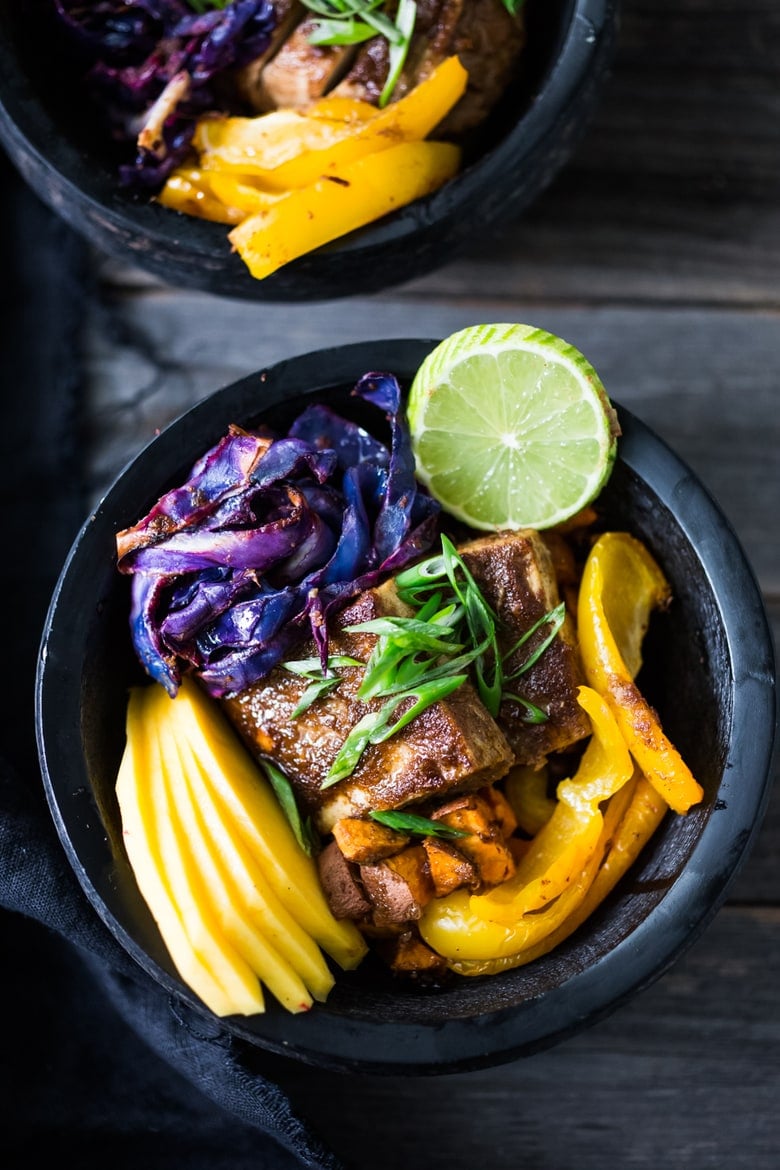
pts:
[400, 886]
[448, 867]
[408, 954]
[340, 883]
[484, 843]
[502, 809]
[366, 842]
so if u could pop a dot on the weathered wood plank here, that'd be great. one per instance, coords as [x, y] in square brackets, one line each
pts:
[151, 357]
[685, 1075]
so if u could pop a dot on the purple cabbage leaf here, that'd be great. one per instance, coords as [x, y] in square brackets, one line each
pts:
[155, 66]
[267, 538]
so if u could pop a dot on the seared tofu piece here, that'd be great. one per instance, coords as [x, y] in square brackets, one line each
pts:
[487, 39]
[247, 79]
[300, 73]
[515, 572]
[452, 746]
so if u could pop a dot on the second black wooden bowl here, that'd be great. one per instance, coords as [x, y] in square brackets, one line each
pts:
[709, 670]
[52, 133]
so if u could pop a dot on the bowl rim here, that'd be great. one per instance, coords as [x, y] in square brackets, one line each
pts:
[143, 230]
[422, 1046]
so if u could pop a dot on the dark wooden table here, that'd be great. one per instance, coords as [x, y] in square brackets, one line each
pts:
[657, 252]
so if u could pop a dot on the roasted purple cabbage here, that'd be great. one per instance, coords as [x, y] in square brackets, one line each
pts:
[154, 69]
[269, 536]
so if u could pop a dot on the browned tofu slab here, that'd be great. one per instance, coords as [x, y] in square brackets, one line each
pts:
[482, 33]
[515, 572]
[453, 746]
[299, 73]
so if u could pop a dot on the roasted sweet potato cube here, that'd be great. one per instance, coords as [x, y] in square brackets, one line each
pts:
[400, 886]
[365, 841]
[448, 867]
[408, 953]
[502, 809]
[484, 843]
[341, 885]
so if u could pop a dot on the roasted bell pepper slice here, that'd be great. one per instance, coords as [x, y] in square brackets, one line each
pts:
[526, 790]
[290, 148]
[188, 190]
[553, 877]
[362, 192]
[621, 585]
[577, 904]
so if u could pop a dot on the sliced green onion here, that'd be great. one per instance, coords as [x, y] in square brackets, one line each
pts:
[312, 667]
[414, 582]
[303, 830]
[405, 822]
[533, 714]
[556, 619]
[341, 32]
[376, 726]
[399, 49]
[321, 684]
[316, 690]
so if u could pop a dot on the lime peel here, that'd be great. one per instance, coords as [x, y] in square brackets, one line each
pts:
[511, 427]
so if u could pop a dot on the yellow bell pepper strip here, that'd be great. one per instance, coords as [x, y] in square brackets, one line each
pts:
[565, 842]
[188, 190]
[569, 919]
[342, 109]
[526, 790]
[361, 192]
[241, 192]
[552, 873]
[621, 585]
[288, 148]
[642, 817]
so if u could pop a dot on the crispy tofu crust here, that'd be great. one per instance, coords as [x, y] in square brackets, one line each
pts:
[516, 574]
[452, 746]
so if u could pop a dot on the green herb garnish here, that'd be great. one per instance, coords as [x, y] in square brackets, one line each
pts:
[303, 830]
[412, 823]
[350, 22]
[420, 659]
[377, 726]
[321, 683]
[201, 6]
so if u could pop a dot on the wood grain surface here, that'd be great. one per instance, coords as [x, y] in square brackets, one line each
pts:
[657, 252]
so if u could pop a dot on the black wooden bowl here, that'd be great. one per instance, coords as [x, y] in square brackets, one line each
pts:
[709, 670]
[52, 134]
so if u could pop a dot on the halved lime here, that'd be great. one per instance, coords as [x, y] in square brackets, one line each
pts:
[511, 427]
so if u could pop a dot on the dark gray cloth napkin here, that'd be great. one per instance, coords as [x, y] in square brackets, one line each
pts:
[94, 1055]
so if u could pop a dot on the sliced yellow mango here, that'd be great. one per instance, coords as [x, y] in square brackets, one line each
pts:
[621, 585]
[272, 943]
[251, 805]
[169, 882]
[360, 193]
[289, 149]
